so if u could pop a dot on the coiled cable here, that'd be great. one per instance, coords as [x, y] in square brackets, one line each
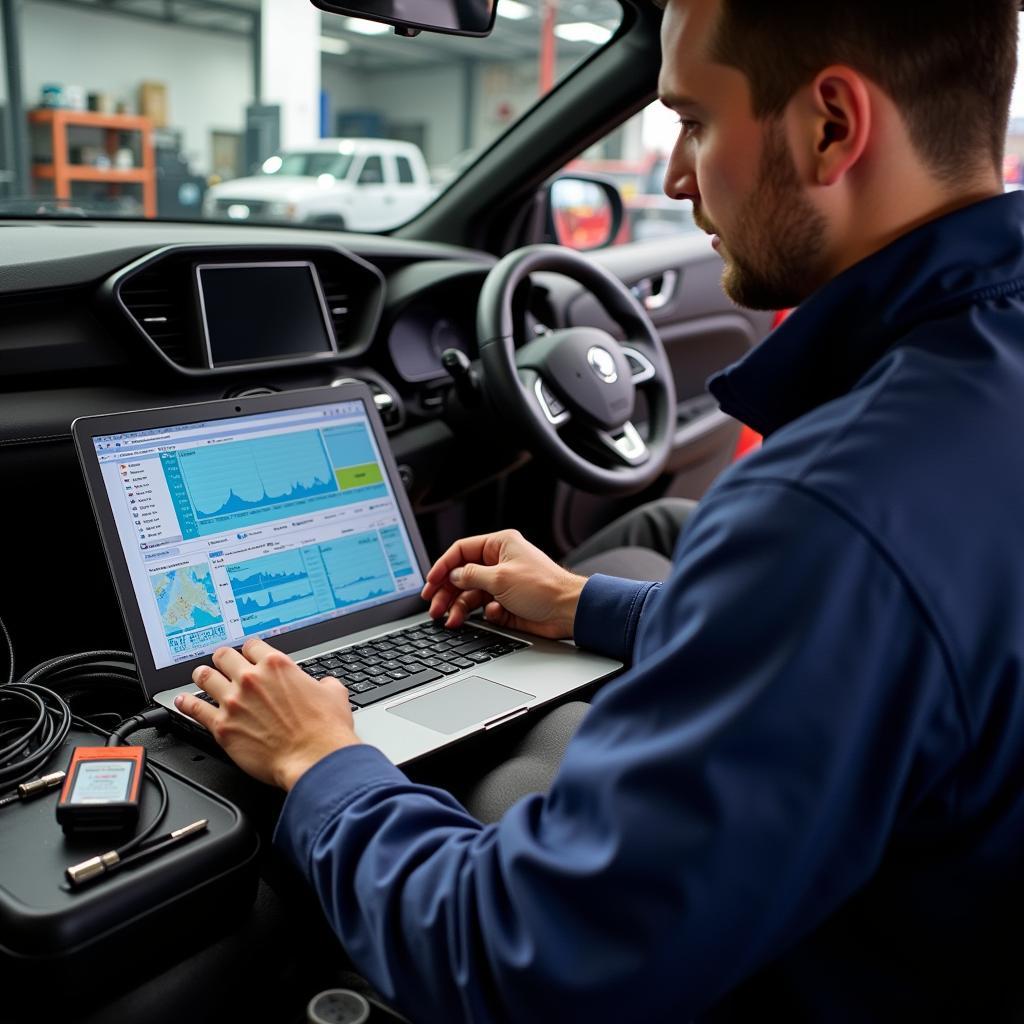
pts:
[35, 720]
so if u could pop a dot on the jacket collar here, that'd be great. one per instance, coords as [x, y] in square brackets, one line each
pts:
[833, 339]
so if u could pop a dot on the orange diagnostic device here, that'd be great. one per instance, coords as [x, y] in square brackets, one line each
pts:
[102, 789]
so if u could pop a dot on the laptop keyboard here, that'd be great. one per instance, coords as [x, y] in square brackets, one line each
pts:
[386, 665]
[391, 664]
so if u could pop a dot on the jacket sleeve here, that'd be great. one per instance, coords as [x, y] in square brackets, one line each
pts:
[720, 799]
[609, 612]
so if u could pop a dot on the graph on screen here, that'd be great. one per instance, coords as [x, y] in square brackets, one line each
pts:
[285, 587]
[272, 591]
[357, 569]
[258, 474]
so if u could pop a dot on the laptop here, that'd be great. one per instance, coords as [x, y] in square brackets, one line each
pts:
[284, 517]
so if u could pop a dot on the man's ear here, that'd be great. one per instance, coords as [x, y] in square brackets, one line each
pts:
[838, 122]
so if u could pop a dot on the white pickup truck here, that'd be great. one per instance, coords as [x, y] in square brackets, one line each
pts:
[348, 184]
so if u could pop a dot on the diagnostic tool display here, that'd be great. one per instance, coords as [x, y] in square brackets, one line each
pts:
[101, 790]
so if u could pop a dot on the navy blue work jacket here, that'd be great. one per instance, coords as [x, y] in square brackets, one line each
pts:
[805, 799]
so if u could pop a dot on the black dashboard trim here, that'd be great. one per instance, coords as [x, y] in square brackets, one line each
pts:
[111, 297]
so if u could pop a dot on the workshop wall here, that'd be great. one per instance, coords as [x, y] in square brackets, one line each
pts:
[501, 92]
[208, 77]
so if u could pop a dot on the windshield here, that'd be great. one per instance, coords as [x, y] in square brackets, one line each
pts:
[267, 111]
[262, 111]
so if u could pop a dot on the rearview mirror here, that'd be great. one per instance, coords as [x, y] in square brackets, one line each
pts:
[410, 17]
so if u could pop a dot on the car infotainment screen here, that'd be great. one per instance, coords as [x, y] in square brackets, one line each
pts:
[253, 312]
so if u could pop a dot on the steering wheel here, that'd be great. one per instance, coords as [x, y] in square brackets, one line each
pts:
[572, 392]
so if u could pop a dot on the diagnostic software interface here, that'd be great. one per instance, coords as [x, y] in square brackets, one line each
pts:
[255, 526]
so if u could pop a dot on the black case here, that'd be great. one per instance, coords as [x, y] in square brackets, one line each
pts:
[56, 944]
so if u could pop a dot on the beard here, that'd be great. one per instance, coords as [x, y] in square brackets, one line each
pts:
[772, 260]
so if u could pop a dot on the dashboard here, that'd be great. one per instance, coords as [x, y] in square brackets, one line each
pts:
[101, 302]
[108, 317]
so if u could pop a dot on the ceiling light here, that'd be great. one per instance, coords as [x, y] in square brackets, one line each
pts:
[583, 32]
[334, 44]
[366, 28]
[513, 10]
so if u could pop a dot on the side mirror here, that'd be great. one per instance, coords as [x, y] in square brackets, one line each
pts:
[585, 211]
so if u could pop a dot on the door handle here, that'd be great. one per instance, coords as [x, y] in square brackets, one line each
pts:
[657, 291]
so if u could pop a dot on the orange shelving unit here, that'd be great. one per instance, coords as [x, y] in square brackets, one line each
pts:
[63, 173]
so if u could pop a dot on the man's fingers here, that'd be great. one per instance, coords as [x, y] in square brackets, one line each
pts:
[469, 549]
[230, 662]
[497, 615]
[449, 599]
[256, 649]
[474, 577]
[334, 680]
[212, 681]
[467, 602]
[197, 709]
[442, 600]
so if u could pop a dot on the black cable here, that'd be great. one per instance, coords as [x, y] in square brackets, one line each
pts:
[10, 652]
[155, 716]
[67, 661]
[21, 759]
[31, 740]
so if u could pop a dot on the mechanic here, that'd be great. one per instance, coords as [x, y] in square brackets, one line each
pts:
[805, 797]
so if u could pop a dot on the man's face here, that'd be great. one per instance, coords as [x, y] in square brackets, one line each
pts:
[738, 171]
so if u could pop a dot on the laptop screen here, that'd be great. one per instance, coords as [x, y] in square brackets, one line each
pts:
[255, 526]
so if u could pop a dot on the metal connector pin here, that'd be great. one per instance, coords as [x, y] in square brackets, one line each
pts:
[88, 869]
[187, 830]
[41, 785]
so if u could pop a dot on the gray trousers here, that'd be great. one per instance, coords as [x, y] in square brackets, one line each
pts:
[639, 545]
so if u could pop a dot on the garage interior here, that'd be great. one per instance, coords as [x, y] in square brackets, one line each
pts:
[217, 81]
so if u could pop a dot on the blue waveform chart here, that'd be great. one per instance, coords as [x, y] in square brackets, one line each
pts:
[272, 591]
[357, 569]
[243, 476]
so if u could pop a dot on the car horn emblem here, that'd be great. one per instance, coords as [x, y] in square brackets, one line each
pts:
[602, 364]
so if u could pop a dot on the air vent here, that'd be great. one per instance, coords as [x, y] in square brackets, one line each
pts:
[336, 295]
[161, 304]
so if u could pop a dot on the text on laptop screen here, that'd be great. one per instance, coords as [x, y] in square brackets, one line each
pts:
[255, 525]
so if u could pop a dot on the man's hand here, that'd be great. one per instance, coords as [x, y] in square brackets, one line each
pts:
[517, 585]
[274, 720]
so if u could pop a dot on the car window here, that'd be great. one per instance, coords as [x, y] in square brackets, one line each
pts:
[405, 176]
[372, 172]
[248, 110]
[308, 165]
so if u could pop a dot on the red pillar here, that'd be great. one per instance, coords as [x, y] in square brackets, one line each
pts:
[547, 47]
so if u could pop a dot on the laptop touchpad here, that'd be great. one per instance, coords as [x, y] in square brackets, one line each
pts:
[464, 703]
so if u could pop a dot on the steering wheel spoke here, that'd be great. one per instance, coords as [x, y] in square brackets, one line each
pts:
[626, 444]
[641, 368]
[554, 410]
[551, 407]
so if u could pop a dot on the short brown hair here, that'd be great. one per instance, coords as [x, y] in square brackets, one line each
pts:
[949, 65]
